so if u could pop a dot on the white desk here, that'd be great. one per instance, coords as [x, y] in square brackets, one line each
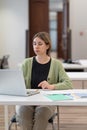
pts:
[79, 79]
[74, 67]
[40, 99]
[83, 62]
[77, 75]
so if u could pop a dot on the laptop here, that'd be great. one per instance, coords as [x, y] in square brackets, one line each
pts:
[12, 83]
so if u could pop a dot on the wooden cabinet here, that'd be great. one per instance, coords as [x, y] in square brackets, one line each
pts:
[85, 84]
[73, 117]
[77, 84]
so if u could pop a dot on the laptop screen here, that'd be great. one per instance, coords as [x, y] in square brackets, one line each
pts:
[12, 82]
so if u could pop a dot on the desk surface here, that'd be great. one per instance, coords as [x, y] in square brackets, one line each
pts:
[82, 64]
[77, 75]
[73, 66]
[40, 99]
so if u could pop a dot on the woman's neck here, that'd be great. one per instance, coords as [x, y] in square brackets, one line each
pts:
[43, 59]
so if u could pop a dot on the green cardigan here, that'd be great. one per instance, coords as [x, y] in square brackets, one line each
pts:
[57, 75]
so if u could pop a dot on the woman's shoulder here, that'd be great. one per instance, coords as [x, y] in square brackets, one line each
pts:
[27, 60]
[56, 61]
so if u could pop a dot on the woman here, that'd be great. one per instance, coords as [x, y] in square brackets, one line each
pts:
[41, 72]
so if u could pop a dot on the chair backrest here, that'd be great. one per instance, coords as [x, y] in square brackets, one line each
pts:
[4, 62]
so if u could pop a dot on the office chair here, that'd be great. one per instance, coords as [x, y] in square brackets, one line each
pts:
[13, 120]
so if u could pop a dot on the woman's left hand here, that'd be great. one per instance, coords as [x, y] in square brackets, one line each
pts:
[45, 85]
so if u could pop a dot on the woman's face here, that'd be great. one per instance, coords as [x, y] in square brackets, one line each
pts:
[39, 46]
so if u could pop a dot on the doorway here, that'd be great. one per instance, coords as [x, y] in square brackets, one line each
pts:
[54, 20]
[58, 28]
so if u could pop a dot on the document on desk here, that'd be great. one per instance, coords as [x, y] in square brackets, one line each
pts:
[65, 94]
[59, 97]
[80, 95]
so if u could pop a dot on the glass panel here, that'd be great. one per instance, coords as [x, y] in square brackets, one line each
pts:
[53, 34]
[54, 7]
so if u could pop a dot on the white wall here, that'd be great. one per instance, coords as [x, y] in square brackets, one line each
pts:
[13, 24]
[78, 25]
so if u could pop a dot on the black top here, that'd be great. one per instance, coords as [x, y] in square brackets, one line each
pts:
[39, 73]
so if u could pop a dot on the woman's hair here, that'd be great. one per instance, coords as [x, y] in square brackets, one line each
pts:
[46, 38]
